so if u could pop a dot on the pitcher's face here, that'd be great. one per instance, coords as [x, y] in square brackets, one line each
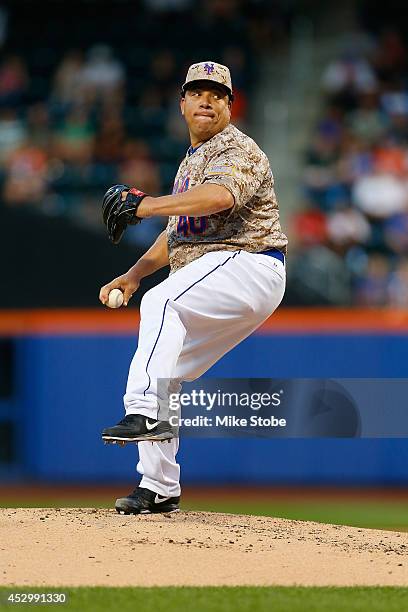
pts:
[206, 108]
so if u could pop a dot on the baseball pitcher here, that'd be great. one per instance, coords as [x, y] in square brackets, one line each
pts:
[226, 252]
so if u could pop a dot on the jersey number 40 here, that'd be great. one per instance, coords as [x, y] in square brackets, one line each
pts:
[188, 226]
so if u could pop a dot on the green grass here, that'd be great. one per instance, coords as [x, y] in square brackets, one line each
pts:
[373, 514]
[224, 599]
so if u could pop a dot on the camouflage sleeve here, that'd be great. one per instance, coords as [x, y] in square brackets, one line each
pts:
[240, 173]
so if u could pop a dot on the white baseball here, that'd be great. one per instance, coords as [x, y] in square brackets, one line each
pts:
[115, 299]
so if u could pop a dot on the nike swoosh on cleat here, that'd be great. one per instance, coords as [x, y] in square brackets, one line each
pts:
[150, 426]
[158, 500]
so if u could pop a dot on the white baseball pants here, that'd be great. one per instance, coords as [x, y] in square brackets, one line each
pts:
[187, 323]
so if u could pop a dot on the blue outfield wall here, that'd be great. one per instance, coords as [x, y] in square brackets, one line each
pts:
[68, 388]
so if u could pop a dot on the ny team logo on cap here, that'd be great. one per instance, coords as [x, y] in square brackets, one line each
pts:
[209, 71]
[209, 68]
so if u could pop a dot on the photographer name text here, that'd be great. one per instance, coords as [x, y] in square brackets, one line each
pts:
[227, 421]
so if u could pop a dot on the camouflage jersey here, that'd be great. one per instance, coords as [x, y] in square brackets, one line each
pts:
[235, 161]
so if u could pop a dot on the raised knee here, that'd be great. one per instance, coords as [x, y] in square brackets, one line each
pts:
[152, 300]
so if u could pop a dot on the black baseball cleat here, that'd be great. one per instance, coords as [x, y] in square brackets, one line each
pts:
[144, 501]
[137, 428]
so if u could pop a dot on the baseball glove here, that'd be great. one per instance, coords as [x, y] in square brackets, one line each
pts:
[118, 214]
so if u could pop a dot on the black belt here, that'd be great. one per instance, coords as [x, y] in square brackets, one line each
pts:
[274, 253]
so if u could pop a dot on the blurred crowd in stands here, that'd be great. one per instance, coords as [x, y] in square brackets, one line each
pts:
[73, 122]
[352, 233]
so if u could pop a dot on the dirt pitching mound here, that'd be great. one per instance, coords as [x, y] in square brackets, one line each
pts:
[74, 547]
